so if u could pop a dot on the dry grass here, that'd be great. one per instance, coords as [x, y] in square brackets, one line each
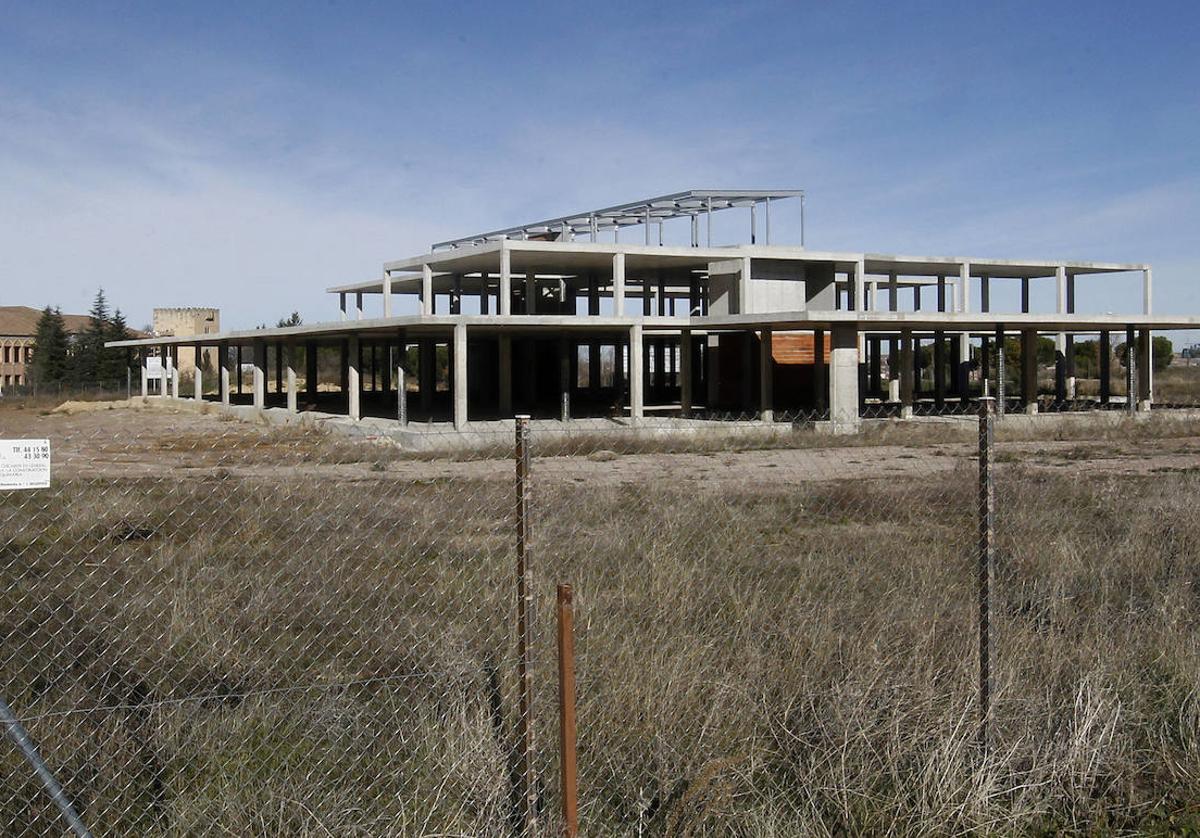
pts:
[259, 655]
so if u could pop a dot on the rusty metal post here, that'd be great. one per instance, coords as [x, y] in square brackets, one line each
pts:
[987, 510]
[568, 761]
[527, 789]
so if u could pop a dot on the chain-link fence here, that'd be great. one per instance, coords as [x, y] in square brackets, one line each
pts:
[221, 627]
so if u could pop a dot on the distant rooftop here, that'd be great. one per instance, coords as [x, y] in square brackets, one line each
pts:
[648, 212]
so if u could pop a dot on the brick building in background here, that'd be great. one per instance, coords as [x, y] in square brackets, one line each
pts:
[18, 328]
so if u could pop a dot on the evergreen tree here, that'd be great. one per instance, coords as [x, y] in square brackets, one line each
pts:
[114, 360]
[50, 348]
[85, 360]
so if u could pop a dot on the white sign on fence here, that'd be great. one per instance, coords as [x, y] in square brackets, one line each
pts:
[154, 368]
[24, 464]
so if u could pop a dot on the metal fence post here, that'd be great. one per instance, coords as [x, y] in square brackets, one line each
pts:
[1001, 384]
[568, 762]
[527, 790]
[987, 509]
[20, 737]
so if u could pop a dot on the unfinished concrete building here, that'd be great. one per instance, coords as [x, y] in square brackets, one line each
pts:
[632, 311]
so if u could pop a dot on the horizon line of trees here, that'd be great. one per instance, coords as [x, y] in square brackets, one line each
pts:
[80, 359]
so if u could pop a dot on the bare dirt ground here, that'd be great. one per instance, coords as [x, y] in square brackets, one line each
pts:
[148, 443]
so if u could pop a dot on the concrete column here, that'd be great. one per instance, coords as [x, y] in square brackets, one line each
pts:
[712, 370]
[531, 293]
[484, 297]
[843, 379]
[941, 293]
[358, 305]
[1024, 295]
[342, 305]
[1060, 339]
[426, 374]
[260, 374]
[198, 376]
[618, 284]
[1144, 371]
[636, 396]
[893, 394]
[225, 373]
[858, 278]
[1146, 289]
[168, 373]
[766, 378]
[145, 373]
[743, 287]
[353, 379]
[939, 367]
[311, 373]
[426, 289]
[874, 365]
[685, 372]
[820, 399]
[1029, 370]
[505, 292]
[964, 285]
[1070, 339]
[460, 376]
[962, 369]
[1105, 371]
[906, 374]
[505, 376]
[290, 375]
[564, 378]
[1131, 382]
[387, 294]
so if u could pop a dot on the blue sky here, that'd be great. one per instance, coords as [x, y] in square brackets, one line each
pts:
[248, 155]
